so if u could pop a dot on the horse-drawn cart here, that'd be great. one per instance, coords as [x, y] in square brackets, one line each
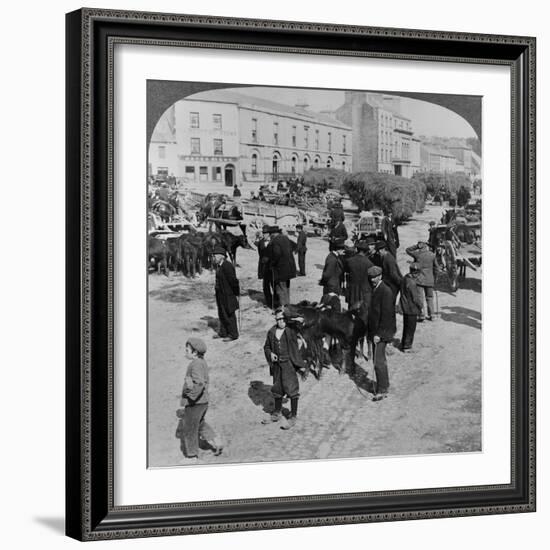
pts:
[457, 247]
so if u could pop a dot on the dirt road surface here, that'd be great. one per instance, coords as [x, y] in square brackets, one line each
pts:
[434, 404]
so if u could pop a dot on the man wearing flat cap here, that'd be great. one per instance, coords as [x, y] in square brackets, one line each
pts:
[426, 261]
[391, 273]
[227, 293]
[411, 306]
[381, 327]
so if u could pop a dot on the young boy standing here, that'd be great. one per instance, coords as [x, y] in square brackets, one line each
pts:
[194, 397]
[283, 356]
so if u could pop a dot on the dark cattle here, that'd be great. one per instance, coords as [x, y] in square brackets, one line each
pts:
[314, 324]
[158, 254]
[228, 242]
[190, 253]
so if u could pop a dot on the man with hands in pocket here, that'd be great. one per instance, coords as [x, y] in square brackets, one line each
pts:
[283, 356]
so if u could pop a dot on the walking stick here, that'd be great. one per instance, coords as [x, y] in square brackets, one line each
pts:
[239, 316]
[436, 302]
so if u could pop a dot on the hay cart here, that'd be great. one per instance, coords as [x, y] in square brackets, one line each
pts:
[457, 246]
[369, 225]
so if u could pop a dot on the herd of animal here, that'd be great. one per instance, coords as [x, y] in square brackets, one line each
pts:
[190, 253]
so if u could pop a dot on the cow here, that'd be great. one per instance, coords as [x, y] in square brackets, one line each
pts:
[228, 241]
[314, 324]
[190, 253]
[158, 254]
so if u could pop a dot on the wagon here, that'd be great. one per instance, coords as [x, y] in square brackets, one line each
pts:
[461, 251]
[369, 225]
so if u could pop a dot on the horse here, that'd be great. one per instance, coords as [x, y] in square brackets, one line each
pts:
[164, 210]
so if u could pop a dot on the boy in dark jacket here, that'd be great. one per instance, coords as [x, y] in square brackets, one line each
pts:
[283, 357]
[411, 305]
[194, 398]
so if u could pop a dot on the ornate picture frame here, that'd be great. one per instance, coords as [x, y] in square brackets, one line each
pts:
[90, 365]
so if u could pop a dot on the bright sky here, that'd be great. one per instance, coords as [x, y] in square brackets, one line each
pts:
[427, 118]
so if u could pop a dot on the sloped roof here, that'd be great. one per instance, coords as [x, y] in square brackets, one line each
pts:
[243, 100]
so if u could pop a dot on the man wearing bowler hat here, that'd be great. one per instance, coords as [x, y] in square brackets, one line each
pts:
[381, 327]
[227, 296]
[301, 249]
[264, 265]
[357, 266]
[333, 271]
[283, 266]
[391, 275]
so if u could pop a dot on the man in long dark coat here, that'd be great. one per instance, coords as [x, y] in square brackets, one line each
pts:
[283, 266]
[333, 272]
[391, 273]
[389, 233]
[227, 296]
[301, 248]
[426, 261]
[359, 290]
[381, 328]
[283, 357]
[264, 265]
[411, 306]
[338, 234]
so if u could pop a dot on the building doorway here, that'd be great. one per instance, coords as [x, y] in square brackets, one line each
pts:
[397, 169]
[229, 175]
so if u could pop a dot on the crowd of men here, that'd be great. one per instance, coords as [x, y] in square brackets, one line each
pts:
[364, 273]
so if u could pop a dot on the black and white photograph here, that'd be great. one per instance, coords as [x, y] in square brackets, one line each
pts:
[314, 274]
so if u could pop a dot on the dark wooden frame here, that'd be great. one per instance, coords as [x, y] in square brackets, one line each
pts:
[91, 514]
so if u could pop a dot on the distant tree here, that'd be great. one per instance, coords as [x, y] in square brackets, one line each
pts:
[378, 191]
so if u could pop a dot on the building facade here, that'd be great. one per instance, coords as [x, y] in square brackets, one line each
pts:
[383, 138]
[162, 159]
[230, 138]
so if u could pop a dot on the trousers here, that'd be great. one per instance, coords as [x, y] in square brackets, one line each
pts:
[409, 328]
[381, 367]
[285, 380]
[228, 323]
[426, 294]
[267, 287]
[282, 290]
[195, 427]
[302, 262]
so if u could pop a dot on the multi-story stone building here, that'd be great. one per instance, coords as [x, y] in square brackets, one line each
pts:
[228, 137]
[162, 149]
[383, 138]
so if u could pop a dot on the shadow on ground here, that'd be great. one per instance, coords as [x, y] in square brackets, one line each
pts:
[461, 315]
[260, 394]
[212, 322]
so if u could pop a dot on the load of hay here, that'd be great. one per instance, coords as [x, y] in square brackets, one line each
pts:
[379, 191]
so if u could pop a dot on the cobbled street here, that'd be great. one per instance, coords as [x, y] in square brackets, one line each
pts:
[434, 404]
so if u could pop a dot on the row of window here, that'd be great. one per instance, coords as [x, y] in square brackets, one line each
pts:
[194, 121]
[389, 121]
[196, 146]
[294, 138]
[203, 173]
[276, 161]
